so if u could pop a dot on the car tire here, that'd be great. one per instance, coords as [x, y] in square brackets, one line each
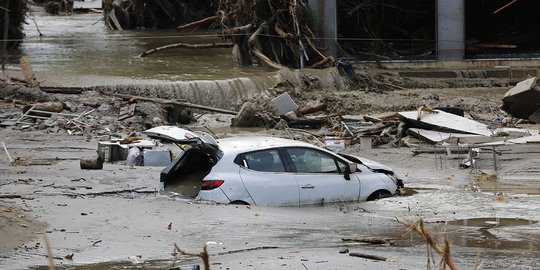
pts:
[379, 194]
[239, 203]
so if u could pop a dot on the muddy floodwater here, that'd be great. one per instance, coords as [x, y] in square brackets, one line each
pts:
[110, 217]
[79, 50]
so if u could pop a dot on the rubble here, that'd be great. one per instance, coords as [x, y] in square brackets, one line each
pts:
[298, 107]
[439, 120]
[521, 101]
[91, 162]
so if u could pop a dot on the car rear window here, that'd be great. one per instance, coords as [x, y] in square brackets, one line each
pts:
[264, 161]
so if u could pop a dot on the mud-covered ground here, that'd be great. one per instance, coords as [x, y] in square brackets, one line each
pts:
[109, 218]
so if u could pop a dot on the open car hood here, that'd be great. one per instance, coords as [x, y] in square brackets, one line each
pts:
[182, 136]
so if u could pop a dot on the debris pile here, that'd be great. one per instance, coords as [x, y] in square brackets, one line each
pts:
[276, 33]
[297, 107]
[448, 132]
[88, 113]
[154, 14]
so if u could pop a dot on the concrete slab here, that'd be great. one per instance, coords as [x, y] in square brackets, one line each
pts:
[437, 136]
[522, 100]
[443, 121]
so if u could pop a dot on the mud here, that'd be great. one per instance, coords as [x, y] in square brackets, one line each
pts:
[110, 215]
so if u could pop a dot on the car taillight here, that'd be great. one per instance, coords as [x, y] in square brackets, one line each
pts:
[211, 184]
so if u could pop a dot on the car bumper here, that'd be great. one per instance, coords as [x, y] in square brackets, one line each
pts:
[215, 195]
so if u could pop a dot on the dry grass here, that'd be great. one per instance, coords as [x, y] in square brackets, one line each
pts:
[203, 255]
[441, 250]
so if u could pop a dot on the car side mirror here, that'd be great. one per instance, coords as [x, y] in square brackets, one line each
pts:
[350, 168]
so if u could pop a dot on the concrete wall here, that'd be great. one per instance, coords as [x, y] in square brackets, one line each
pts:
[325, 23]
[450, 29]
[505, 68]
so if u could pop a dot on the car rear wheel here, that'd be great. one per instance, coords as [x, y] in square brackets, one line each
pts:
[379, 194]
[239, 203]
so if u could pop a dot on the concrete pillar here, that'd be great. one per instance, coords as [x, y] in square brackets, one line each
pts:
[324, 22]
[450, 29]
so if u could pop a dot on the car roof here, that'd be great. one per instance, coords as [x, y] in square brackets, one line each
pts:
[240, 144]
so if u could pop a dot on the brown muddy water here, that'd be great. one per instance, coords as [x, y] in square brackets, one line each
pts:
[78, 49]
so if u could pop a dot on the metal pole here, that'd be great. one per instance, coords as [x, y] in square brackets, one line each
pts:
[495, 167]
[471, 159]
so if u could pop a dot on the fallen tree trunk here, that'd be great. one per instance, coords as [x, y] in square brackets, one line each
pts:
[61, 89]
[55, 107]
[188, 46]
[173, 102]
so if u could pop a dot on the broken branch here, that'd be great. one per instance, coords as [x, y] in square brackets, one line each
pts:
[203, 255]
[197, 23]
[282, 33]
[188, 46]
[255, 36]
[7, 153]
[322, 62]
[367, 256]
[266, 60]
[369, 240]
[10, 196]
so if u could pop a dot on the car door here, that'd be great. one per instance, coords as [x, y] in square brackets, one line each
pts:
[320, 176]
[200, 153]
[266, 179]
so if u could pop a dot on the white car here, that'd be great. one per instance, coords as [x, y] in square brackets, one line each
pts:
[270, 171]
